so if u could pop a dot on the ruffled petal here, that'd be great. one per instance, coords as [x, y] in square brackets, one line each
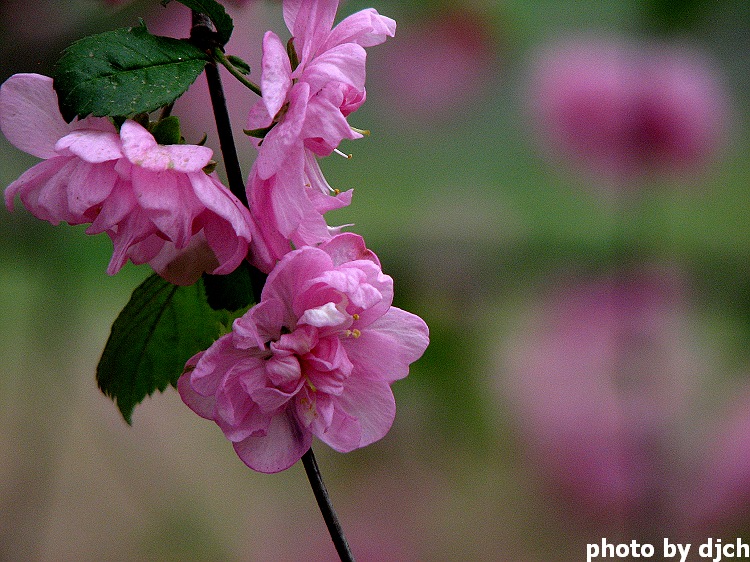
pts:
[311, 24]
[179, 267]
[387, 347]
[325, 124]
[140, 147]
[119, 204]
[291, 275]
[89, 186]
[289, 202]
[343, 63]
[366, 28]
[169, 201]
[283, 445]
[261, 324]
[348, 247]
[285, 136]
[91, 145]
[30, 184]
[202, 405]
[29, 115]
[364, 413]
[276, 73]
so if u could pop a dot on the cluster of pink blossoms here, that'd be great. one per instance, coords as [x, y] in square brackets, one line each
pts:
[155, 202]
[317, 354]
[305, 104]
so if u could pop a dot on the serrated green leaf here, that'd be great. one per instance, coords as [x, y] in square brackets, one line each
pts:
[123, 72]
[160, 328]
[216, 13]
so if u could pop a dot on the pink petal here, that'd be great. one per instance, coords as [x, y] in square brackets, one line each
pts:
[89, 186]
[285, 136]
[181, 267]
[140, 147]
[290, 10]
[271, 400]
[33, 181]
[261, 324]
[366, 27]
[289, 202]
[352, 282]
[29, 115]
[282, 446]
[276, 74]
[267, 245]
[50, 200]
[213, 365]
[291, 274]
[387, 347]
[348, 247]
[371, 404]
[169, 201]
[326, 124]
[119, 204]
[133, 229]
[91, 145]
[311, 24]
[343, 63]
[201, 405]
[216, 197]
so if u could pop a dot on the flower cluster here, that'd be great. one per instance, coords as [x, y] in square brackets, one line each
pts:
[308, 90]
[155, 202]
[316, 357]
[318, 353]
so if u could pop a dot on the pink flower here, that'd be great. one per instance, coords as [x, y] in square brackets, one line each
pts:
[718, 497]
[600, 382]
[623, 111]
[316, 356]
[304, 108]
[439, 69]
[155, 202]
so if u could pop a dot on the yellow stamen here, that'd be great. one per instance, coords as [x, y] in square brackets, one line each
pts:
[347, 156]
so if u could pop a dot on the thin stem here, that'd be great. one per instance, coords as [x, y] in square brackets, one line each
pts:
[222, 58]
[326, 507]
[202, 25]
[224, 129]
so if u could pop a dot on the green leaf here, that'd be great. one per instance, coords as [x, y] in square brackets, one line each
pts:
[241, 66]
[167, 131]
[123, 72]
[160, 328]
[230, 292]
[216, 13]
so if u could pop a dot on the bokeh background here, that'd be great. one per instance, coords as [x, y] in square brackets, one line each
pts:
[560, 189]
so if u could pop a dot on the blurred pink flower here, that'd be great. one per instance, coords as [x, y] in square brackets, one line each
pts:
[439, 67]
[306, 99]
[720, 495]
[155, 202]
[316, 356]
[623, 111]
[599, 379]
